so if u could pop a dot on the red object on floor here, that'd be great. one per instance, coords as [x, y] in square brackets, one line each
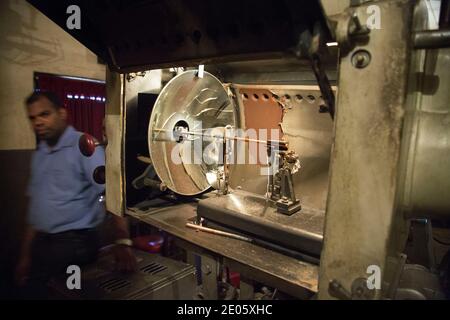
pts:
[150, 243]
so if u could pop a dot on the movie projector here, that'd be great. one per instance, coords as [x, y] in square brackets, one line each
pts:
[199, 149]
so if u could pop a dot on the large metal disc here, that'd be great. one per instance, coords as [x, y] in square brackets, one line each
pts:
[195, 105]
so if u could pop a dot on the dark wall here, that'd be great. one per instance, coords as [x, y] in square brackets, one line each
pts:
[14, 174]
[138, 117]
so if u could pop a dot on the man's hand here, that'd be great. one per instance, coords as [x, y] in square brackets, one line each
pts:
[125, 259]
[22, 270]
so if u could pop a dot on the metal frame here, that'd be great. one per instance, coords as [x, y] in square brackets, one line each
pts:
[362, 227]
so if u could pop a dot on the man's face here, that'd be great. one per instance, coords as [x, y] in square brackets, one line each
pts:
[48, 122]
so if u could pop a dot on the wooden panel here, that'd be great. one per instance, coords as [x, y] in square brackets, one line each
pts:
[115, 128]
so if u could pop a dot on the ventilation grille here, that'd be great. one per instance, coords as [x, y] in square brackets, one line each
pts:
[153, 268]
[114, 284]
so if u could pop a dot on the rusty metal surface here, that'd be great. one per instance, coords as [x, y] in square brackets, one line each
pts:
[262, 111]
[308, 132]
[275, 269]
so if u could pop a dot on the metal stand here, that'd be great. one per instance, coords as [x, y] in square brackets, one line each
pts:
[281, 186]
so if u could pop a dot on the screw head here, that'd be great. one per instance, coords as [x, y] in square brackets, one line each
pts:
[361, 59]
[361, 291]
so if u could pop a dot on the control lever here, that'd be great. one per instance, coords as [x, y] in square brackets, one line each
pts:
[88, 143]
[99, 175]
[337, 290]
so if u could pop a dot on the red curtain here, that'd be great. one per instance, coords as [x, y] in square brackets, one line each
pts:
[83, 99]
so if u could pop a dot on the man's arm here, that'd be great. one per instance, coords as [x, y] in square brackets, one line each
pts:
[23, 265]
[121, 226]
[125, 259]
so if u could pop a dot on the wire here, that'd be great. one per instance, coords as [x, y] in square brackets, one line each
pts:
[441, 242]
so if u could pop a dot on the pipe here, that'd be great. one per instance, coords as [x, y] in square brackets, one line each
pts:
[218, 232]
[433, 39]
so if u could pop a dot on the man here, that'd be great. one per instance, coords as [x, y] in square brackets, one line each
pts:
[64, 209]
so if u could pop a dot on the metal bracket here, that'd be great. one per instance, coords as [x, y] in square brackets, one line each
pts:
[281, 185]
[210, 277]
[288, 204]
[310, 45]
[147, 179]
[359, 291]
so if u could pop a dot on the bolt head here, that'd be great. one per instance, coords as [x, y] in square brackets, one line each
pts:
[361, 59]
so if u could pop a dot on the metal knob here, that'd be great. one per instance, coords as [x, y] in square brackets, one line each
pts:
[87, 144]
[99, 175]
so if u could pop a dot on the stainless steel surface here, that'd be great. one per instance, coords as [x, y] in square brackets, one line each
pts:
[426, 142]
[308, 132]
[253, 215]
[196, 104]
